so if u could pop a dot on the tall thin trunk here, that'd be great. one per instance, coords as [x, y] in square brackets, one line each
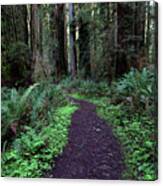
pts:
[58, 38]
[35, 37]
[113, 74]
[65, 41]
[84, 46]
[92, 42]
[123, 10]
[25, 13]
[14, 24]
[72, 42]
[147, 43]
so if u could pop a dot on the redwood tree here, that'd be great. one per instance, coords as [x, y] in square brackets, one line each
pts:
[59, 37]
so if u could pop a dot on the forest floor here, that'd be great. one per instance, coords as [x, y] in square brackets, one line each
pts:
[81, 129]
[92, 151]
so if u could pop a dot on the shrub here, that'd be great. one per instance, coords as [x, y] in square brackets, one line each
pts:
[135, 89]
[85, 87]
[43, 114]
[16, 66]
[14, 106]
[137, 136]
[33, 152]
[28, 105]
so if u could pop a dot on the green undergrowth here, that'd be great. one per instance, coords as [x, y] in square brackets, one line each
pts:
[130, 111]
[35, 145]
[41, 116]
[33, 152]
[136, 134]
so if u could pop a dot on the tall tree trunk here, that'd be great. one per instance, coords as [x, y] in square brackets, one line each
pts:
[92, 42]
[35, 38]
[130, 35]
[65, 41]
[140, 25]
[140, 51]
[124, 26]
[147, 34]
[112, 38]
[25, 14]
[84, 47]
[58, 34]
[73, 57]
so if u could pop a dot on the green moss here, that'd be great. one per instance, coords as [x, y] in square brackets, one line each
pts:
[78, 95]
[66, 110]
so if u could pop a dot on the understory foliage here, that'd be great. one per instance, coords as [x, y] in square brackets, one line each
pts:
[129, 108]
[15, 64]
[136, 89]
[42, 117]
[85, 87]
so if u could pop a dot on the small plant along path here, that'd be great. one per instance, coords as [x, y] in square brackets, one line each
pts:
[92, 151]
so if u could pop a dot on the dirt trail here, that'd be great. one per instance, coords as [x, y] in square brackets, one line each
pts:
[92, 151]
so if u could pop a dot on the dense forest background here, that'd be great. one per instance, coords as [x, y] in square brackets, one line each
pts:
[90, 41]
[104, 53]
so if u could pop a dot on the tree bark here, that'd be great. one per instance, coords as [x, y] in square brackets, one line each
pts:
[84, 47]
[59, 37]
[73, 58]
[35, 40]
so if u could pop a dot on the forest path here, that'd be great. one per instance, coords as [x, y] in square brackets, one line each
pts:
[92, 151]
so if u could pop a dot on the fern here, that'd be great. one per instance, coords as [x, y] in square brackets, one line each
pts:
[13, 106]
[23, 99]
[138, 85]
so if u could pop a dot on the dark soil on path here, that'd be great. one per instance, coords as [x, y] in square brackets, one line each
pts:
[92, 151]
